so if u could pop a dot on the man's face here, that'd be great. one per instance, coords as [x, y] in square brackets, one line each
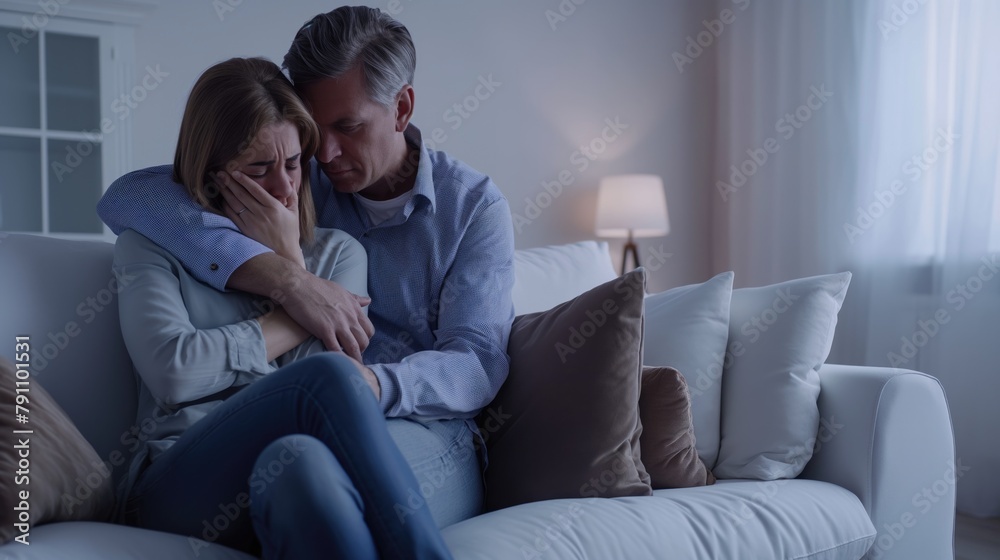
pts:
[356, 134]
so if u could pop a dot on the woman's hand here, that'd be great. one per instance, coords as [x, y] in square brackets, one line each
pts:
[260, 216]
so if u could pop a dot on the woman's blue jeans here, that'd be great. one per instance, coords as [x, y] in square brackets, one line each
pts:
[297, 465]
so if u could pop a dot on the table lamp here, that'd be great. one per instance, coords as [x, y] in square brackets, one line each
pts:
[632, 206]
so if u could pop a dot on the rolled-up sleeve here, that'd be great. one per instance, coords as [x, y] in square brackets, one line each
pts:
[177, 361]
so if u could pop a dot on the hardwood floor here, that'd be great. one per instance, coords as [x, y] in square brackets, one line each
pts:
[977, 539]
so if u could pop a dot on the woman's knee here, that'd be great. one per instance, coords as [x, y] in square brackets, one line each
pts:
[326, 368]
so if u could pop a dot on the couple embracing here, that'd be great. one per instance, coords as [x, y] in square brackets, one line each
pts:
[328, 416]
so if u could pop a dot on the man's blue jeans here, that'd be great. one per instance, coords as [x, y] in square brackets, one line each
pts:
[443, 457]
[300, 462]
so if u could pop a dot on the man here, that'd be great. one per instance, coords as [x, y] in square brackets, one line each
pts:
[438, 235]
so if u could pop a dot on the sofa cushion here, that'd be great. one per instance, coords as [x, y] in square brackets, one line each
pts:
[667, 435]
[547, 276]
[569, 407]
[779, 336]
[83, 540]
[687, 328]
[66, 479]
[788, 519]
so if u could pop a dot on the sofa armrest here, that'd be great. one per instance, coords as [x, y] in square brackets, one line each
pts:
[886, 436]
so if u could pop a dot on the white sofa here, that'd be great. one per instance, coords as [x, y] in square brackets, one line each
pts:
[863, 493]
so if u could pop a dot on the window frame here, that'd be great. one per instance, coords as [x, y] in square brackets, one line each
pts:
[116, 62]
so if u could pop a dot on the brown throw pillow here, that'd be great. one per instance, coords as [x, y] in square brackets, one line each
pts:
[65, 478]
[563, 423]
[668, 443]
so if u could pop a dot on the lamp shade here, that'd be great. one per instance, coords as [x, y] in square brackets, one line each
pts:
[632, 202]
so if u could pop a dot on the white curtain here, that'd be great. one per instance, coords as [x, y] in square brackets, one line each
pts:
[880, 125]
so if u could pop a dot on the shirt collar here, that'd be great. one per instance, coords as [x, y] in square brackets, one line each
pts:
[423, 185]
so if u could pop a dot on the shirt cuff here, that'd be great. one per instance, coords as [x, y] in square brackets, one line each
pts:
[218, 272]
[246, 347]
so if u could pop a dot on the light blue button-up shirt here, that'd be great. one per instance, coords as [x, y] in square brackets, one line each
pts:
[440, 275]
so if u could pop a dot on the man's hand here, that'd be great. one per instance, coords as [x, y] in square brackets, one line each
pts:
[329, 312]
[322, 307]
[260, 216]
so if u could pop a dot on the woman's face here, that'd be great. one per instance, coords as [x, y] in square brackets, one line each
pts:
[273, 162]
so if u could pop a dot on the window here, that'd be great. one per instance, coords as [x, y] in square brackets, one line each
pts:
[61, 143]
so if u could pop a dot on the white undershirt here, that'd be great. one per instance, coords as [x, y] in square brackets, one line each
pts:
[381, 210]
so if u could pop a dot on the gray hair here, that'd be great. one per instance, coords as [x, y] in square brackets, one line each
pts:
[331, 44]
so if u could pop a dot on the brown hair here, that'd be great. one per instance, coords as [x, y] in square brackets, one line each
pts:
[228, 107]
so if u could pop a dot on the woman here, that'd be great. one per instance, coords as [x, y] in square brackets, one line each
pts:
[292, 461]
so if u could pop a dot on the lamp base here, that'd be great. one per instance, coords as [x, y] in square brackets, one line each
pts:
[630, 248]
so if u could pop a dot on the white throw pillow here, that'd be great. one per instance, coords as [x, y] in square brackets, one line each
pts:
[687, 328]
[779, 336]
[544, 277]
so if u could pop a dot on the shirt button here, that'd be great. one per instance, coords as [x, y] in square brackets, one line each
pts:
[213, 266]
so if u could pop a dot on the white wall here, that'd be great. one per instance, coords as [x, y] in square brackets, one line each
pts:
[606, 60]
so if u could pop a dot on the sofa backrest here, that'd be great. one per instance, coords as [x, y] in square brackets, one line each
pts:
[63, 295]
[544, 277]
